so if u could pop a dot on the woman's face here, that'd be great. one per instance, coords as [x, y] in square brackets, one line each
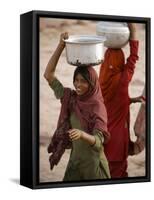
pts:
[81, 85]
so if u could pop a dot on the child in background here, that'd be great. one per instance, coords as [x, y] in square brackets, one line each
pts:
[115, 76]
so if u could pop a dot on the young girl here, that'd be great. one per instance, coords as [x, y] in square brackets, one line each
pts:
[115, 76]
[82, 120]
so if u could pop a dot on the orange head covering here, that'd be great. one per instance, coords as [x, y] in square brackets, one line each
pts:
[110, 72]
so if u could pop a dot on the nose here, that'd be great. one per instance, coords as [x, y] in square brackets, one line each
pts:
[78, 84]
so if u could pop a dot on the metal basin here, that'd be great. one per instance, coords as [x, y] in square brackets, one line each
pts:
[116, 33]
[85, 50]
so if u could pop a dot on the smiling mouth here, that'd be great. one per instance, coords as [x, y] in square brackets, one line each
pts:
[78, 90]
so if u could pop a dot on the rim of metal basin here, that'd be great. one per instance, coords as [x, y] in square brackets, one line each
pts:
[85, 39]
[112, 27]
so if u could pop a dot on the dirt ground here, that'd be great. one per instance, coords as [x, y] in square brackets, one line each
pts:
[50, 30]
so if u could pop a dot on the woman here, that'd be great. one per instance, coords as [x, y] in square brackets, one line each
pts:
[115, 76]
[82, 120]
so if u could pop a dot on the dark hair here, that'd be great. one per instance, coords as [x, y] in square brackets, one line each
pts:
[84, 72]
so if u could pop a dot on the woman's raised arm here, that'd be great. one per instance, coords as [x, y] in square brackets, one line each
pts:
[49, 73]
[134, 43]
[132, 28]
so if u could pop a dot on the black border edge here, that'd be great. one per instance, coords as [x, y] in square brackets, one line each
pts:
[26, 100]
[148, 98]
[35, 96]
[35, 99]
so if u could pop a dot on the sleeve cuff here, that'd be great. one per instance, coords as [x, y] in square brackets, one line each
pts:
[134, 45]
[53, 83]
[98, 142]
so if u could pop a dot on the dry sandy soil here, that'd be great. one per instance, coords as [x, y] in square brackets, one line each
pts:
[50, 30]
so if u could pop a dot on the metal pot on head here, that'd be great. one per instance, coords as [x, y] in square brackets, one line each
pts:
[117, 34]
[84, 50]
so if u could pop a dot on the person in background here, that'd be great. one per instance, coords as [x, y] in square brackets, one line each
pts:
[115, 77]
[82, 120]
[139, 126]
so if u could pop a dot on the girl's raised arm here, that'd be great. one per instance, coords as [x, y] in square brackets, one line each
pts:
[49, 73]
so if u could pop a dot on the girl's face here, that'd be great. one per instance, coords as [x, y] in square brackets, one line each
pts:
[81, 85]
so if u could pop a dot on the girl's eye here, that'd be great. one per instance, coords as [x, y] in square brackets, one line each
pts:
[83, 81]
[76, 81]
